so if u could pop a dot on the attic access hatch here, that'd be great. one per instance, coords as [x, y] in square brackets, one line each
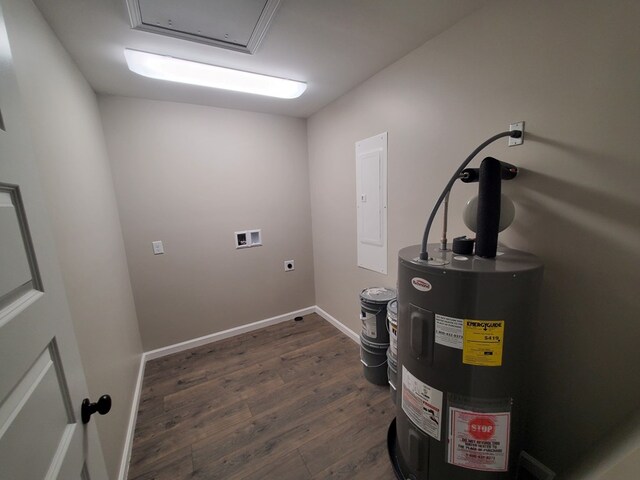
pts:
[238, 25]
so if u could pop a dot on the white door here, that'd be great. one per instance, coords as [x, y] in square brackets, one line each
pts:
[42, 384]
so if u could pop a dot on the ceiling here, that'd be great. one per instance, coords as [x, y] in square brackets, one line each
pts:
[333, 45]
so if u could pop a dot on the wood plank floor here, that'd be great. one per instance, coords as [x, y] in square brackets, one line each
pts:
[288, 402]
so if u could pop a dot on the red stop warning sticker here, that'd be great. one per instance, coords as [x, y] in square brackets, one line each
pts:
[479, 441]
[482, 427]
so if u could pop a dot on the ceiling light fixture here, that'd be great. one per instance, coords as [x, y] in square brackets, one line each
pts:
[163, 67]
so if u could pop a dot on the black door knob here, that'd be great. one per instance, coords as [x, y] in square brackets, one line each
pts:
[102, 406]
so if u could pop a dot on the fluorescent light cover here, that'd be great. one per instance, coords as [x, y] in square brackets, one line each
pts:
[172, 69]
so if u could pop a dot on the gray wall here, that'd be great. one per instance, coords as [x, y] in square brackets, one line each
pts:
[617, 457]
[570, 69]
[191, 176]
[71, 155]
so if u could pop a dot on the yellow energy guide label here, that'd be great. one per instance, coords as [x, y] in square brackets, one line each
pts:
[482, 342]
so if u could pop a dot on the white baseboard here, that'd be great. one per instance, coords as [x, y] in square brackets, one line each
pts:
[232, 332]
[339, 325]
[196, 342]
[128, 441]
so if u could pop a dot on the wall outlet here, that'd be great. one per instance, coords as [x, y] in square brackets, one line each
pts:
[289, 265]
[516, 141]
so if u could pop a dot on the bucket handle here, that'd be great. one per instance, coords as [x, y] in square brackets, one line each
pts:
[371, 366]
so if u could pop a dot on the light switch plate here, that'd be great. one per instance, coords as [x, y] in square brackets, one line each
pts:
[158, 248]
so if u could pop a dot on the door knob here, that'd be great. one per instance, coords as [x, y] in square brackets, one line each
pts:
[102, 406]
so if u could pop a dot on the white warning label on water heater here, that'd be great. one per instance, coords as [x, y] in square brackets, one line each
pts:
[448, 331]
[479, 441]
[422, 404]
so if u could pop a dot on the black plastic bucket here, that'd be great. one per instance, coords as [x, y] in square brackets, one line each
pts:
[374, 361]
[373, 313]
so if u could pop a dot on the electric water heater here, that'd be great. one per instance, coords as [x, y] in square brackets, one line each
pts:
[464, 324]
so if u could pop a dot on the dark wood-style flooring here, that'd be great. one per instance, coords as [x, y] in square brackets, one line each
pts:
[288, 402]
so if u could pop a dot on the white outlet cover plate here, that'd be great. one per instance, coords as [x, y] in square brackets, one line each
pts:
[286, 265]
[516, 141]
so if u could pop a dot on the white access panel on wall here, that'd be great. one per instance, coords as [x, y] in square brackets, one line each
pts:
[371, 201]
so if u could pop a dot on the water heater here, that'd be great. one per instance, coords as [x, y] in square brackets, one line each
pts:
[464, 324]
[465, 321]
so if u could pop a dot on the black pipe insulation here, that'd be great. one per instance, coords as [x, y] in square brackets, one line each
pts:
[488, 219]
[425, 237]
[472, 175]
[508, 171]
